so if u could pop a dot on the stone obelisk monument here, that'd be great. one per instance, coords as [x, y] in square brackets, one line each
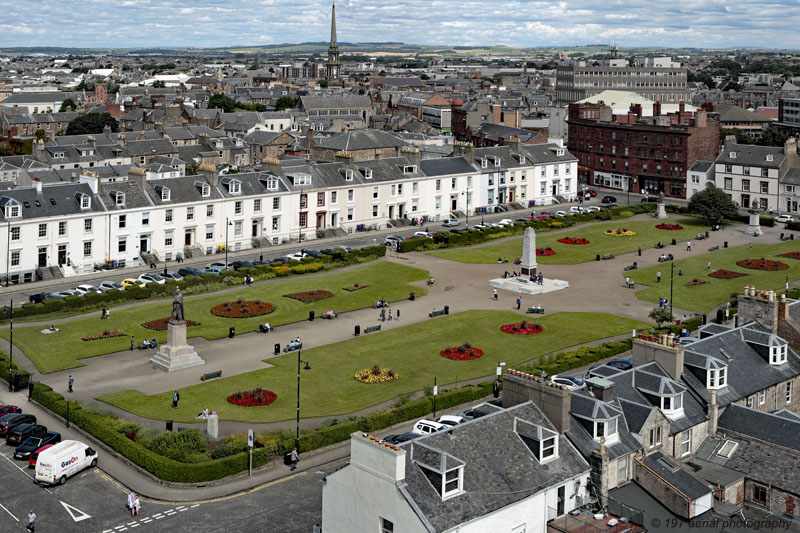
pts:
[176, 354]
[529, 253]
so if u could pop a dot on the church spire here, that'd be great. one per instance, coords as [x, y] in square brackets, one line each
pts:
[332, 70]
[333, 25]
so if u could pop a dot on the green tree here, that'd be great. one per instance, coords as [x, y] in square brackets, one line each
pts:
[741, 136]
[68, 105]
[271, 70]
[83, 86]
[159, 84]
[40, 134]
[424, 77]
[220, 101]
[286, 102]
[660, 316]
[92, 123]
[254, 66]
[773, 137]
[713, 205]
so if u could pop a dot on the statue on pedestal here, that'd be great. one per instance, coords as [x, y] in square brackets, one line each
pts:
[177, 307]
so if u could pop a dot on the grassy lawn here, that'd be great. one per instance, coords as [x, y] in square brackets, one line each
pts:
[329, 388]
[64, 349]
[703, 298]
[568, 254]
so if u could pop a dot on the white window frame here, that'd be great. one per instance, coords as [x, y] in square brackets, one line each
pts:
[42, 231]
[655, 436]
[256, 205]
[168, 215]
[16, 233]
[458, 479]
[789, 390]
[762, 397]
[169, 238]
[190, 213]
[87, 248]
[237, 207]
[276, 203]
[686, 442]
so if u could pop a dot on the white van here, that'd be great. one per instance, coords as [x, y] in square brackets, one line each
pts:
[63, 460]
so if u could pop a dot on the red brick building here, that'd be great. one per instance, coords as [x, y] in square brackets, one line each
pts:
[636, 153]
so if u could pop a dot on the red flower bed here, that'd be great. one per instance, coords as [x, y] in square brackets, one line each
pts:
[104, 335]
[309, 296]
[545, 251]
[160, 324]
[762, 264]
[356, 287]
[253, 398]
[696, 281]
[726, 274]
[462, 353]
[522, 328]
[242, 309]
[790, 255]
[572, 240]
[670, 227]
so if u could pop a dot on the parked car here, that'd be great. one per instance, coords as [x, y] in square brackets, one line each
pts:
[609, 199]
[560, 214]
[219, 265]
[397, 439]
[6, 409]
[471, 414]
[392, 239]
[68, 292]
[591, 193]
[571, 382]
[40, 297]
[608, 206]
[426, 427]
[12, 420]
[188, 271]
[481, 226]
[784, 218]
[497, 403]
[241, 263]
[312, 253]
[592, 208]
[16, 435]
[622, 364]
[86, 289]
[451, 420]
[152, 278]
[297, 256]
[172, 276]
[212, 270]
[34, 442]
[577, 209]
[132, 282]
[506, 222]
[281, 259]
[423, 234]
[106, 286]
[449, 222]
[35, 455]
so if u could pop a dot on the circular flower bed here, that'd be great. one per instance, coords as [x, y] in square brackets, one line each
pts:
[253, 398]
[762, 264]
[465, 352]
[572, 240]
[376, 374]
[619, 232]
[242, 309]
[669, 227]
[522, 328]
[104, 335]
[309, 296]
[160, 324]
[696, 281]
[790, 255]
[726, 274]
[545, 251]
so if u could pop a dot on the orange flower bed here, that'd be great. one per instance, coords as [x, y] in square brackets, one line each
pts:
[242, 309]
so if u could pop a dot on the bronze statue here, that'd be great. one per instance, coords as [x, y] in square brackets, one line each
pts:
[177, 306]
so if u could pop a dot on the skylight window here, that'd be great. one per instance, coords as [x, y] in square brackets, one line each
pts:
[728, 448]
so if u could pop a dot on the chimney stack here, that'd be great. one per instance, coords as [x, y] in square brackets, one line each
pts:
[210, 173]
[137, 175]
[713, 413]
[344, 157]
[663, 350]
[272, 165]
[513, 142]
[554, 400]
[37, 184]
[603, 389]
[465, 150]
[657, 108]
[412, 154]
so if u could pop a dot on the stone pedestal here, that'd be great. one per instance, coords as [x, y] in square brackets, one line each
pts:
[754, 225]
[661, 211]
[529, 253]
[212, 427]
[523, 285]
[176, 354]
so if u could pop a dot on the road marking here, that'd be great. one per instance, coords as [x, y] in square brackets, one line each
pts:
[9, 512]
[135, 525]
[157, 515]
[80, 516]
[193, 506]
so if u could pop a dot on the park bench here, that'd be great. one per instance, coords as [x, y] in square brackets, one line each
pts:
[665, 258]
[372, 329]
[713, 249]
[634, 266]
[293, 346]
[536, 309]
[440, 312]
[607, 256]
[787, 237]
[211, 375]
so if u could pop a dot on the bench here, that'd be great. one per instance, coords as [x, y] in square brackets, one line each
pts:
[713, 249]
[372, 329]
[293, 347]
[607, 256]
[536, 309]
[433, 314]
[634, 266]
[211, 375]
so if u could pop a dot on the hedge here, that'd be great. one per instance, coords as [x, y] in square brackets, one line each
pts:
[793, 225]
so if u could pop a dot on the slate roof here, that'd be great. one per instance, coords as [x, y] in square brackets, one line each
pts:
[701, 166]
[678, 478]
[262, 137]
[345, 101]
[751, 155]
[791, 177]
[497, 132]
[733, 113]
[580, 434]
[150, 148]
[361, 140]
[54, 201]
[766, 427]
[446, 166]
[134, 196]
[635, 414]
[182, 190]
[546, 153]
[499, 468]
[35, 98]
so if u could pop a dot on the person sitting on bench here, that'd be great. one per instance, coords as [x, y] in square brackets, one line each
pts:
[145, 344]
[153, 343]
[203, 415]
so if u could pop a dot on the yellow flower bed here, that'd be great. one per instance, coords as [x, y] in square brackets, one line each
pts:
[376, 374]
[619, 232]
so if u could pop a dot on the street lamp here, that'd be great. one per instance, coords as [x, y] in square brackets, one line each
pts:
[11, 347]
[468, 194]
[307, 367]
[227, 223]
[8, 253]
[631, 185]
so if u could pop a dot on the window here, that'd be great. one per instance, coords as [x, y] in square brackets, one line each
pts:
[452, 183]
[87, 249]
[750, 402]
[209, 210]
[237, 229]
[42, 230]
[350, 195]
[276, 203]
[655, 436]
[746, 171]
[438, 185]
[374, 192]
[622, 469]
[789, 386]
[257, 205]
[548, 448]
[686, 442]
[86, 202]
[544, 188]
[303, 220]
[62, 228]
[728, 184]
[350, 213]
[490, 193]
[762, 397]
[759, 494]
[168, 215]
[15, 232]
[234, 187]
[166, 194]
[717, 377]
[764, 172]
[453, 481]
[764, 187]
[87, 225]
[276, 223]
[237, 207]
[374, 210]
[210, 232]
[122, 244]
[778, 355]
[168, 236]
[415, 188]
[190, 213]
[15, 258]
[746, 185]
[320, 199]
[394, 190]
[12, 211]
[120, 198]
[386, 526]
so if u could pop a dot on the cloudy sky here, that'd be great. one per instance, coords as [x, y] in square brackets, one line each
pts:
[212, 23]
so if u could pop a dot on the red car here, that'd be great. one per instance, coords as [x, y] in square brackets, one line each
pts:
[542, 217]
[5, 409]
[591, 193]
[35, 455]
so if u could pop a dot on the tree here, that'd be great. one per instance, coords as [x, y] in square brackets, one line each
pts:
[713, 205]
[92, 123]
[68, 105]
[83, 86]
[773, 137]
[254, 66]
[159, 84]
[741, 136]
[424, 77]
[40, 134]
[660, 316]
[271, 70]
[286, 102]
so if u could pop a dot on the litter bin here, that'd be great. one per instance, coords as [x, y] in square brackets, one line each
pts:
[277, 348]
[496, 389]
[640, 251]
[357, 330]
[311, 316]
[169, 425]
[720, 316]
[412, 296]
[231, 332]
[447, 309]
[707, 234]
[705, 318]
[674, 242]
[597, 257]
[725, 244]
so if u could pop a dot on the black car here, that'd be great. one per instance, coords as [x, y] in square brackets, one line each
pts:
[283, 260]
[242, 264]
[18, 434]
[189, 271]
[12, 420]
[397, 439]
[609, 199]
[312, 253]
[34, 442]
[40, 297]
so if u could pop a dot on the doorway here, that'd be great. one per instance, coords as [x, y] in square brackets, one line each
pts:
[454, 203]
[321, 220]
[187, 237]
[334, 220]
[144, 244]
[555, 189]
[511, 196]
[391, 212]
[560, 504]
[256, 228]
[62, 254]
[42, 257]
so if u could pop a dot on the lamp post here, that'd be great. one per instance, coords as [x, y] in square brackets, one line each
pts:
[469, 195]
[307, 367]
[671, 275]
[227, 223]
[8, 253]
[11, 347]
[631, 185]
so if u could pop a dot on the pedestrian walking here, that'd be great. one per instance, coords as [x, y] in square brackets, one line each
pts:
[688, 246]
[137, 505]
[131, 502]
[103, 314]
[494, 293]
[175, 398]
[383, 315]
[661, 303]
[178, 257]
[708, 265]
[133, 342]
[541, 278]
[152, 262]
[294, 457]
[31, 521]
[632, 285]
[70, 382]
[640, 251]
[627, 281]
[390, 314]
[658, 277]
[519, 302]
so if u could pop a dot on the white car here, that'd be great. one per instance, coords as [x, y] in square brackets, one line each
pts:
[784, 218]
[570, 382]
[152, 278]
[560, 214]
[297, 256]
[426, 427]
[106, 286]
[451, 420]
[451, 222]
[592, 208]
[577, 209]
[423, 234]
[506, 222]
[85, 289]
[219, 265]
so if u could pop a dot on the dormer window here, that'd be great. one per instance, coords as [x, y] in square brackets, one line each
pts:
[733, 155]
[770, 157]
[542, 442]
[205, 189]
[777, 355]
[165, 193]
[119, 198]
[84, 200]
[348, 174]
[484, 163]
[521, 159]
[11, 208]
[672, 406]
[272, 184]
[497, 161]
[717, 378]
[409, 169]
[560, 151]
[444, 472]
[368, 173]
[606, 429]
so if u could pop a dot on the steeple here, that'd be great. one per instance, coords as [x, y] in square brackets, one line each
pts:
[333, 25]
[333, 65]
